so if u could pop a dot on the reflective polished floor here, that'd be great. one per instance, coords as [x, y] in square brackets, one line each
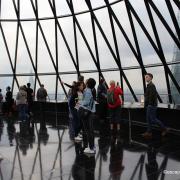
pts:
[45, 153]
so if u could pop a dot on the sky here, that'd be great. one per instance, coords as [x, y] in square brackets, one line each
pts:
[86, 63]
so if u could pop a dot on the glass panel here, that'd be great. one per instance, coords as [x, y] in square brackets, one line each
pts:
[121, 13]
[4, 82]
[24, 64]
[103, 19]
[44, 9]
[85, 57]
[135, 79]
[86, 25]
[96, 3]
[65, 60]
[62, 7]
[48, 28]
[148, 53]
[7, 10]
[164, 38]
[143, 15]
[29, 29]
[79, 5]
[44, 60]
[10, 29]
[176, 72]
[4, 62]
[26, 10]
[162, 7]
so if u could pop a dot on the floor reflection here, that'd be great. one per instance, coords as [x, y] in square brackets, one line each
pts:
[31, 151]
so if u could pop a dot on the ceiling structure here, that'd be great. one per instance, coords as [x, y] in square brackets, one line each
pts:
[50, 41]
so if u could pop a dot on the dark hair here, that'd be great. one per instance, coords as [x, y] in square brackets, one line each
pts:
[79, 83]
[8, 88]
[91, 83]
[81, 78]
[28, 84]
[149, 74]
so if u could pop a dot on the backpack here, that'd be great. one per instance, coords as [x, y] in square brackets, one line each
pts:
[110, 97]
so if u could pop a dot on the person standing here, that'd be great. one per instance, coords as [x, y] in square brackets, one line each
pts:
[85, 113]
[30, 97]
[9, 101]
[114, 105]
[151, 107]
[41, 94]
[102, 99]
[41, 97]
[21, 102]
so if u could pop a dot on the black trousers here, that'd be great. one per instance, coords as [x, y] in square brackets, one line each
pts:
[88, 131]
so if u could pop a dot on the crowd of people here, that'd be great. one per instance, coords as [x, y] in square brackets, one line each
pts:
[23, 102]
[82, 98]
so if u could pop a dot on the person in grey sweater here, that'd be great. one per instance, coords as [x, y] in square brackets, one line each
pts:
[21, 102]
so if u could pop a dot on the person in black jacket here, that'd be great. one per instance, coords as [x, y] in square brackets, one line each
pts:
[102, 99]
[151, 107]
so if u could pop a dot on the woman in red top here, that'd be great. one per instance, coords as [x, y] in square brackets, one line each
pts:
[114, 105]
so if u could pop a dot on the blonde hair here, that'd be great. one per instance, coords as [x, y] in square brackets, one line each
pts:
[112, 82]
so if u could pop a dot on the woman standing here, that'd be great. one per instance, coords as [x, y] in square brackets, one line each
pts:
[86, 110]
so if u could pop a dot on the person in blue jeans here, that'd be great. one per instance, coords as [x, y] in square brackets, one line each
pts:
[88, 105]
[21, 102]
[151, 108]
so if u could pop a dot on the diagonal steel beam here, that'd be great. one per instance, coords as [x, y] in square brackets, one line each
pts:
[154, 46]
[173, 36]
[112, 52]
[26, 44]
[173, 17]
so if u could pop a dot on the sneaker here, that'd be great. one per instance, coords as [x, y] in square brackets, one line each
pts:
[89, 151]
[80, 135]
[78, 138]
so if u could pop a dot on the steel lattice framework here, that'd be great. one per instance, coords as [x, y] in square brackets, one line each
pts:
[153, 38]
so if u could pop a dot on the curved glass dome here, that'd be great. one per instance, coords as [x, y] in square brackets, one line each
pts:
[46, 41]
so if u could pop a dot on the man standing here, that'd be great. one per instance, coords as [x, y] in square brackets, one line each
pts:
[41, 94]
[30, 97]
[151, 107]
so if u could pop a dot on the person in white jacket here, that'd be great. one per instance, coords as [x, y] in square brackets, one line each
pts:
[21, 102]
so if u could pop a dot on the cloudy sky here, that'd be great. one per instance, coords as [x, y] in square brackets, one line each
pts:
[86, 63]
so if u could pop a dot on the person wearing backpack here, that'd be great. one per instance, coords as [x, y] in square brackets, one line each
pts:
[41, 97]
[114, 105]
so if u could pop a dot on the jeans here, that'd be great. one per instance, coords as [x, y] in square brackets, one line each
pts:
[151, 118]
[76, 123]
[22, 108]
